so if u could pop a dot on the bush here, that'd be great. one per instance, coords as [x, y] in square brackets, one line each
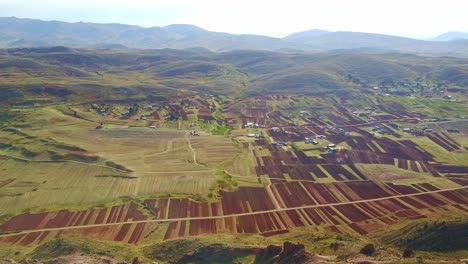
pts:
[408, 253]
[368, 250]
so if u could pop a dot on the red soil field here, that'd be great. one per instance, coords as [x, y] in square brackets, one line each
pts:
[64, 218]
[248, 199]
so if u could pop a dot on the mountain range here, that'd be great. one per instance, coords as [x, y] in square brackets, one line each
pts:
[451, 36]
[18, 32]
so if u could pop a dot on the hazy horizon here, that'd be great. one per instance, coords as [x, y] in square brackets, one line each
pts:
[415, 19]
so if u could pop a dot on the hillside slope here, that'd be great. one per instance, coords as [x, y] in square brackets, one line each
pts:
[111, 75]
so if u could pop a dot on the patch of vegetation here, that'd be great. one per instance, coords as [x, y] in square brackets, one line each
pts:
[368, 250]
[82, 158]
[221, 130]
[117, 166]
[172, 251]
[28, 153]
[58, 247]
[68, 147]
[440, 236]
[116, 176]
[216, 253]
[66, 246]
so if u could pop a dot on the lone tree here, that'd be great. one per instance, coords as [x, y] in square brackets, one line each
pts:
[368, 250]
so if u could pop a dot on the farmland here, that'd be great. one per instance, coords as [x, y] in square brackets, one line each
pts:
[200, 164]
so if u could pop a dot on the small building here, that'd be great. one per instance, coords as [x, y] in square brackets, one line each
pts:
[250, 135]
[280, 143]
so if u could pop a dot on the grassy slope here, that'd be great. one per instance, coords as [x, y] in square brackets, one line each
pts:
[87, 75]
[445, 236]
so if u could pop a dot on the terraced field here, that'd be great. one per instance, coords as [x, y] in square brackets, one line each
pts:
[126, 182]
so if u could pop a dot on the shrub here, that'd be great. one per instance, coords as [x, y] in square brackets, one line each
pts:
[368, 250]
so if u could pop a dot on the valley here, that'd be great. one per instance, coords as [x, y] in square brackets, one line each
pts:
[144, 149]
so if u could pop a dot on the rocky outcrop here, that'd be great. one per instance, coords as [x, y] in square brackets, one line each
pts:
[288, 254]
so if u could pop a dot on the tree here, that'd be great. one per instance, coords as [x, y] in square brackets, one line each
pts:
[368, 250]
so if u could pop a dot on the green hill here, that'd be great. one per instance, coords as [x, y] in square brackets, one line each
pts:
[127, 74]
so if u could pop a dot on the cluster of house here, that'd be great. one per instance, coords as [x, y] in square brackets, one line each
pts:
[253, 125]
[418, 131]
[293, 124]
[340, 131]
[194, 133]
[365, 113]
[280, 143]
[258, 136]
[310, 140]
[100, 109]
[453, 130]
[330, 147]
[382, 130]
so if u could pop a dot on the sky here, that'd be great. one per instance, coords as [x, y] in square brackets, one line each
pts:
[278, 18]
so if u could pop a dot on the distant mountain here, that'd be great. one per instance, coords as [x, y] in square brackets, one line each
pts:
[452, 35]
[33, 33]
[17, 33]
[306, 34]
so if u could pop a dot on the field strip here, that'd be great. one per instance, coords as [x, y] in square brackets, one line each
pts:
[168, 149]
[446, 122]
[364, 124]
[191, 148]
[21, 232]
[58, 161]
[291, 180]
[169, 172]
